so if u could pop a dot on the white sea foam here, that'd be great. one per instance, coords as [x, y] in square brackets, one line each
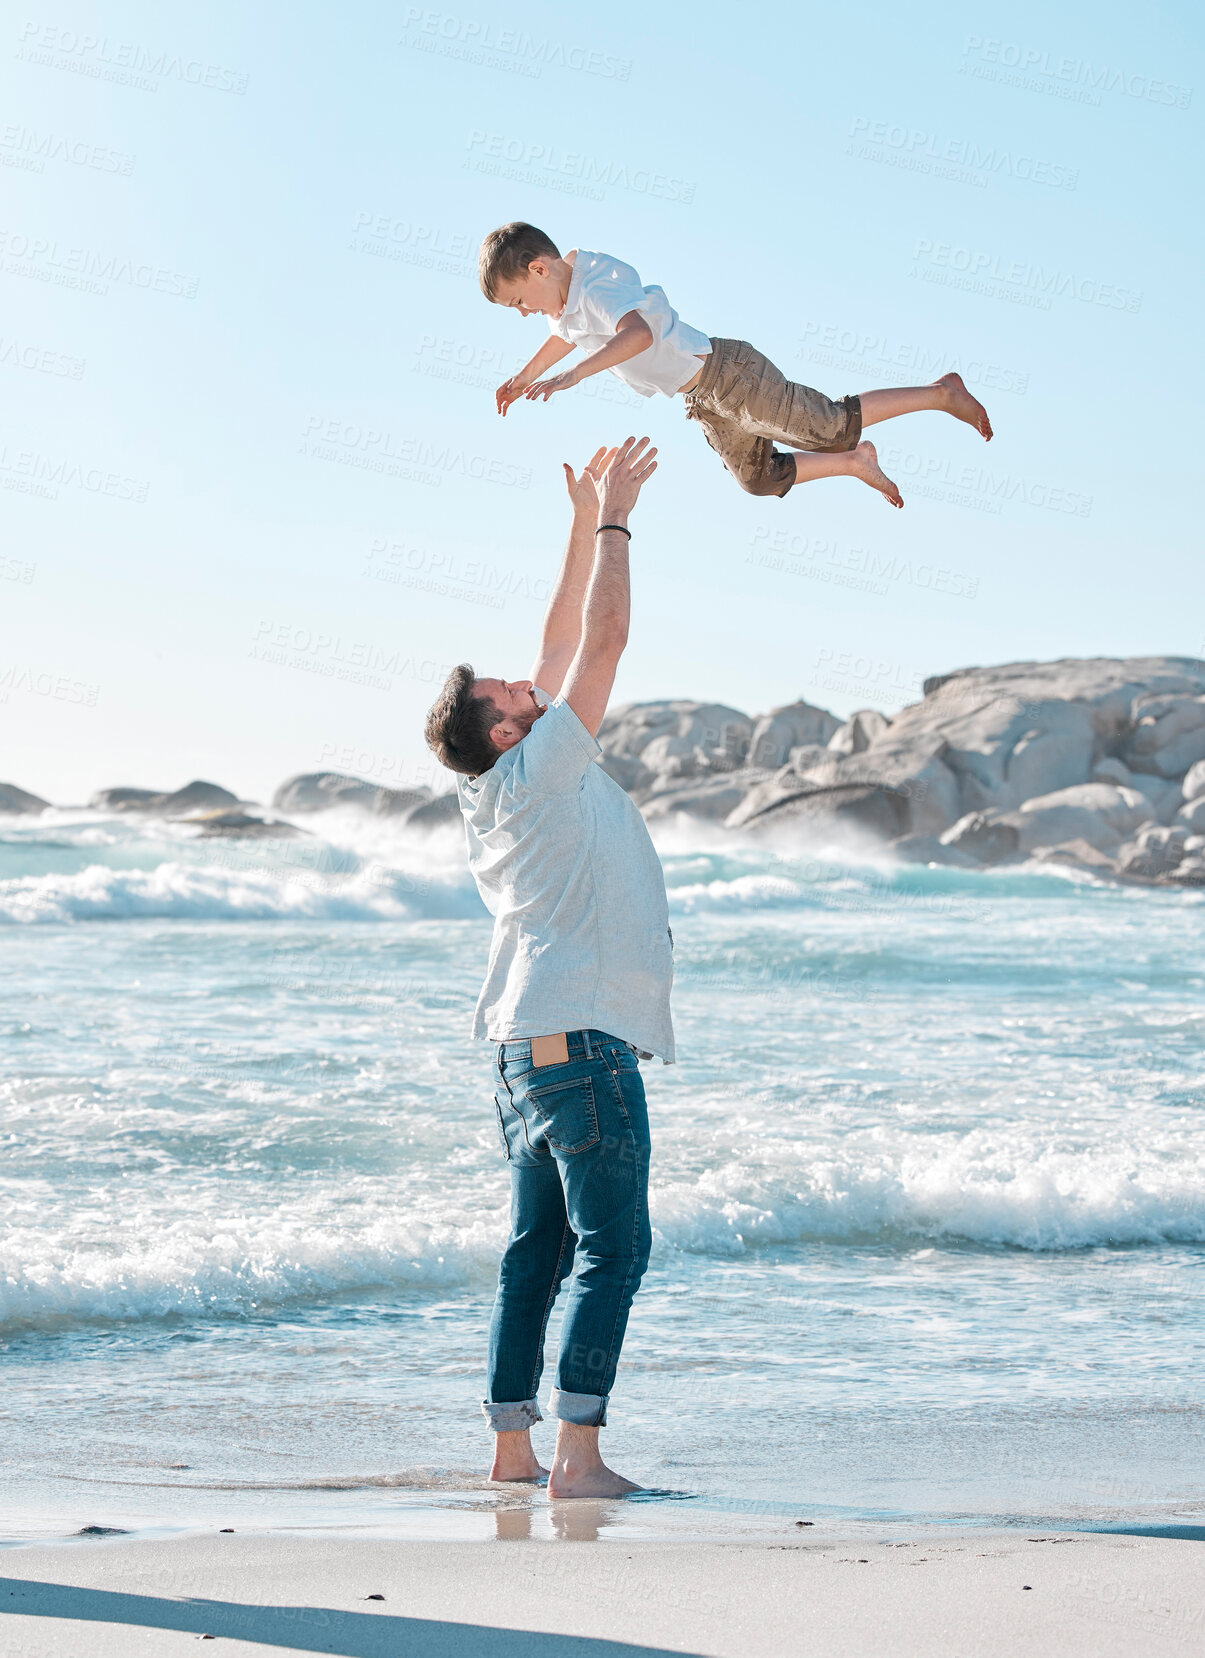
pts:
[227, 1266]
[176, 891]
[978, 1188]
[745, 892]
[970, 1189]
[200, 892]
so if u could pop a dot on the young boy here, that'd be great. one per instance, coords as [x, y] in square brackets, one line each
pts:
[743, 403]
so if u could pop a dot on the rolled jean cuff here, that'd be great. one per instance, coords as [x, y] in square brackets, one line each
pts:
[511, 1415]
[588, 1410]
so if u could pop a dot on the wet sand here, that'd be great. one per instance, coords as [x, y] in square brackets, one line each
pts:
[944, 1594]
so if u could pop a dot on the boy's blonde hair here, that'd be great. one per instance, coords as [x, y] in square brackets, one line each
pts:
[508, 251]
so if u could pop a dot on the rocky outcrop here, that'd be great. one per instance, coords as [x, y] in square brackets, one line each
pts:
[1193, 786]
[318, 791]
[1103, 814]
[243, 826]
[649, 747]
[1168, 735]
[795, 725]
[858, 732]
[1153, 852]
[1097, 762]
[13, 799]
[433, 814]
[192, 798]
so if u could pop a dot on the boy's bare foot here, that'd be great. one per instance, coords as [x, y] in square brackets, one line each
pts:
[963, 406]
[514, 1459]
[864, 464]
[579, 1471]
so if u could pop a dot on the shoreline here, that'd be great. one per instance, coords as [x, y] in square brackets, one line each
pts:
[941, 1595]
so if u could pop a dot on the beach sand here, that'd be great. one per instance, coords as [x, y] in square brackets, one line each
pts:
[951, 1594]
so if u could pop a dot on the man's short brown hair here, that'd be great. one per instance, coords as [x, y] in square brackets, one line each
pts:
[459, 724]
[508, 251]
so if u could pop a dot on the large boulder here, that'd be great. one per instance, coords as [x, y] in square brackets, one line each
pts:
[987, 741]
[243, 826]
[1103, 814]
[1001, 754]
[858, 732]
[13, 799]
[917, 768]
[318, 791]
[1194, 783]
[1168, 734]
[1024, 729]
[984, 836]
[193, 798]
[930, 849]
[433, 814]
[792, 726]
[708, 797]
[1154, 852]
[1192, 816]
[868, 809]
[910, 774]
[197, 797]
[651, 746]
[127, 800]
[1077, 854]
[1163, 793]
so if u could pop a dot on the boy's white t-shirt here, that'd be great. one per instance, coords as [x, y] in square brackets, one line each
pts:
[601, 290]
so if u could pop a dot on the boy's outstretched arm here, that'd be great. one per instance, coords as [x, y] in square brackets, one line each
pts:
[549, 354]
[632, 336]
[562, 628]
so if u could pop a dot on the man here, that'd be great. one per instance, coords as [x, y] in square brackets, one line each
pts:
[576, 991]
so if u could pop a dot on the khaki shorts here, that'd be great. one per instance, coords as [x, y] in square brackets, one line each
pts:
[745, 405]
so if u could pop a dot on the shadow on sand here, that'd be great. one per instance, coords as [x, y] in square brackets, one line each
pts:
[304, 1628]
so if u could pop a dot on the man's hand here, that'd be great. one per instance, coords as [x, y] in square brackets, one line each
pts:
[583, 490]
[559, 382]
[622, 476]
[509, 392]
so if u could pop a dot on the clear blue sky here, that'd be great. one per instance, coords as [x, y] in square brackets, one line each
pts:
[247, 365]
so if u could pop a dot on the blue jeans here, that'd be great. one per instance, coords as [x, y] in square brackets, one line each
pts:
[577, 1140]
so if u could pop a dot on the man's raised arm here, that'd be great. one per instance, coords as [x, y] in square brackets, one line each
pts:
[605, 614]
[562, 630]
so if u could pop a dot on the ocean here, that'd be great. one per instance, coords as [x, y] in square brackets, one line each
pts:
[928, 1186]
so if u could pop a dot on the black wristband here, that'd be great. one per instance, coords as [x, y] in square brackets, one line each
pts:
[618, 527]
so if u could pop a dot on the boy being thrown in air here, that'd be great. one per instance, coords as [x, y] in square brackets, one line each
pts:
[744, 404]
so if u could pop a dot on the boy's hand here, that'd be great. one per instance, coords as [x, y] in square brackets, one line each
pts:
[559, 382]
[624, 471]
[509, 392]
[583, 491]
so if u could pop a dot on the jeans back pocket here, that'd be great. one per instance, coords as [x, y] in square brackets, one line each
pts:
[567, 1113]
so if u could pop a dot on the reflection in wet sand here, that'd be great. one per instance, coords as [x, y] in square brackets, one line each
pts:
[513, 1525]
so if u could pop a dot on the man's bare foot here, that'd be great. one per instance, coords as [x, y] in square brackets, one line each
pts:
[965, 407]
[864, 464]
[567, 1481]
[579, 1471]
[514, 1459]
